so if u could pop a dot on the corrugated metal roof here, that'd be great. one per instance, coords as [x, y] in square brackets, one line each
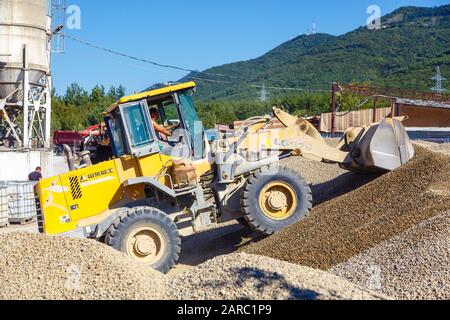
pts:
[423, 103]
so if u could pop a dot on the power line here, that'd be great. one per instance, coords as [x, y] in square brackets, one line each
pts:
[290, 88]
[168, 66]
[247, 81]
[263, 92]
[144, 60]
[206, 80]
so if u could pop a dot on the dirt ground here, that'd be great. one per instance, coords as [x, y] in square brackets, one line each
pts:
[32, 227]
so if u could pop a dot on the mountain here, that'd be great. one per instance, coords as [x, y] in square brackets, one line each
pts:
[402, 54]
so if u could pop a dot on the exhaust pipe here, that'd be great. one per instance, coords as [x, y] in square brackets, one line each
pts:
[86, 158]
[69, 156]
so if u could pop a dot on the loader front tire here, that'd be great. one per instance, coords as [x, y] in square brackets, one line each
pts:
[148, 236]
[274, 198]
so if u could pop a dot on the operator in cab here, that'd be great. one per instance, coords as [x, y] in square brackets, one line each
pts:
[164, 132]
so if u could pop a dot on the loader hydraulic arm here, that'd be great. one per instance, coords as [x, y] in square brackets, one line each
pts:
[298, 137]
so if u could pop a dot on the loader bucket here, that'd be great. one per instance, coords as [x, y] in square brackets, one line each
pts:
[381, 148]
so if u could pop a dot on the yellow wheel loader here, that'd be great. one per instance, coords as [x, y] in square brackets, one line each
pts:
[160, 186]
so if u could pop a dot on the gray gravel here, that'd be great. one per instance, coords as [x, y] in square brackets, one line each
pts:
[327, 181]
[314, 172]
[349, 225]
[440, 148]
[251, 277]
[414, 265]
[35, 267]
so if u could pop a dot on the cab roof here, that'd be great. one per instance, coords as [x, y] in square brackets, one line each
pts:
[152, 93]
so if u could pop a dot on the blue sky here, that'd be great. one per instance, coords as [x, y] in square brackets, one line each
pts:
[195, 34]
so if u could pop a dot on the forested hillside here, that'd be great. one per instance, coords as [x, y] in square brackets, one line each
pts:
[403, 54]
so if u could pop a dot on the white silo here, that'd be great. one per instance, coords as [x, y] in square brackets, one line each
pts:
[25, 87]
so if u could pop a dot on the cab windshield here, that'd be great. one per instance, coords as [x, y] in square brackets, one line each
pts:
[192, 124]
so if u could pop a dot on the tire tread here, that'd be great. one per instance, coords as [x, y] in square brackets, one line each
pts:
[129, 216]
[251, 217]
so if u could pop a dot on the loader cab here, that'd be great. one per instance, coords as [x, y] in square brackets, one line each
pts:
[131, 124]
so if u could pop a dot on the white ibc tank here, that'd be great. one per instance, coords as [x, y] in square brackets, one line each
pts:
[21, 202]
[23, 22]
[4, 211]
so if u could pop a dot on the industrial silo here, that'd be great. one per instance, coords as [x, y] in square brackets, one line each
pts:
[25, 87]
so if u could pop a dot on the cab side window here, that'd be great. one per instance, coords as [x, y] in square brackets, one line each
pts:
[139, 131]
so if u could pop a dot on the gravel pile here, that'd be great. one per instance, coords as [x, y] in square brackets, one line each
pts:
[324, 179]
[36, 267]
[435, 147]
[355, 222]
[414, 265]
[250, 277]
[314, 172]
[327, 181]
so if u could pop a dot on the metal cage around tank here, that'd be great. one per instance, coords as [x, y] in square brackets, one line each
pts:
[4, 209]
[17, 202]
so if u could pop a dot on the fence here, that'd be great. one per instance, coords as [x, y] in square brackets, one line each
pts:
[345, 120]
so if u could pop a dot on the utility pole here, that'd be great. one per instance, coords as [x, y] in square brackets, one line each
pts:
[439, 79]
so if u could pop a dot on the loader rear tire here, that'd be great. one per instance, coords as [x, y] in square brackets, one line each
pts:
[148, 236]
[274, 198]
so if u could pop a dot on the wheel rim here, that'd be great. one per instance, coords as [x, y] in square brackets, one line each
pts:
[278, 200]
[146, 245]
